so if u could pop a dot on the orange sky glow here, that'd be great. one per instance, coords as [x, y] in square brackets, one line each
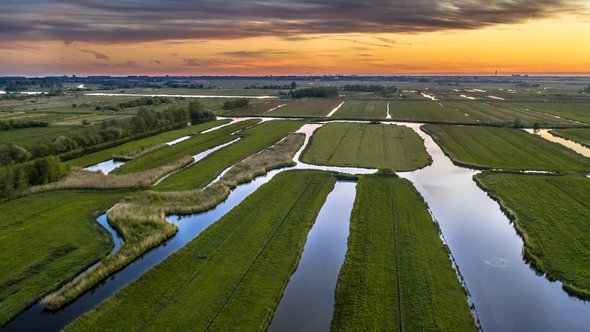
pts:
[556, 44]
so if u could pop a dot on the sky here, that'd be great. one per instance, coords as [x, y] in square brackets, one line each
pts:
[287, 37]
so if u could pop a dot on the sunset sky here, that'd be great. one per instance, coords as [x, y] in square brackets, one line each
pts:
[262, 37]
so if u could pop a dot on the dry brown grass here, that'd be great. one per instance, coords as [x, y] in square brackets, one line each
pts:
[83, 179]
[141, 218]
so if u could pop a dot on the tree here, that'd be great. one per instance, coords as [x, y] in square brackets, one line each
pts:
[293, 85]
[536, 127]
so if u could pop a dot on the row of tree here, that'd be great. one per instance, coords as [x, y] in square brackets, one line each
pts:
[198, 113]
[377, 88]
[315, 92]
[17, 178]
[109, 131]
[12, 124]
[236, 103]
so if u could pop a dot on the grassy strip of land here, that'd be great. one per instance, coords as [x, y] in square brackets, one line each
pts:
[367, 145]
[580, 135]
[106, 154]
[552, 215]
[253, 140]
[191, 146]
[505, 148]
[83, 179]
[141, 220]
[141, 151]
[45, 240]
[363, 109]
[397, 274]
[233, 274]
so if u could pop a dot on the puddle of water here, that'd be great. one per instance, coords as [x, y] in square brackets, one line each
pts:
[334, 110]
[106, 166]
[508, 294]
[577, 147]
[178, 140]
[388, 117]
[308, 301]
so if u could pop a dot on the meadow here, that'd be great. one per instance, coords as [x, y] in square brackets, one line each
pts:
[47, 239]
[506, 149]
[366, 145]
[426, 111]
[102, 155]
[190, 147]
[244, 260]
[551, 213]
[362, 109]
[253, 140]
[397, 275]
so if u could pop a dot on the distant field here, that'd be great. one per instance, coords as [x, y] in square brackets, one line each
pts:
[96, 157]
[307, 108]
[505, 148]
[567, 110]
[190, 147]
[581, 136]
[426, 110]
[254, 140]
[30, 136]
[363, 109]
[46, 240]
[397, 271]
[232, 275]
[266, 108]
[366, 145]
[553, 214]
[503, 112]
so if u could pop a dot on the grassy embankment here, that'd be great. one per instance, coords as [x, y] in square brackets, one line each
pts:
[141, 218]
[190, 147]
[580, 135]
[506, 149]
[426, 110]
[552, 215]
[397, 274]
[45, 240]
[99, 156]
[366, 145]
[253, 140]
[233, 274]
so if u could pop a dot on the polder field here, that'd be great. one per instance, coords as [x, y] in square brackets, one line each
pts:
[207, 202]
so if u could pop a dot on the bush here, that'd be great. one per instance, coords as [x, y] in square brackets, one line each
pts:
[317, 92]
[236, 103]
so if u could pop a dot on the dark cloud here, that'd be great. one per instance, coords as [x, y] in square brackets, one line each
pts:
[150, 20]
[98, 55]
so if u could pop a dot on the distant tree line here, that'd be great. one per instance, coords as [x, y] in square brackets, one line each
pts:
[377, 88]
[17, 178]
[236, 103]
[144, 101]
[292, 86]
[586, 89]
[315, 92]
[198, 113]
[12, 124]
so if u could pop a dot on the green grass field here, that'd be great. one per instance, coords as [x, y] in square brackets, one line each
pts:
[553, 215]
[191, 146]
[363, 109]
[580, 135]
[97, 157]
[397, 274]
[426, 110]
[366, 145]
[307, 108]
[505, 148]
[505, 112]
[254, 140]
[233, 274]
[45, 240]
